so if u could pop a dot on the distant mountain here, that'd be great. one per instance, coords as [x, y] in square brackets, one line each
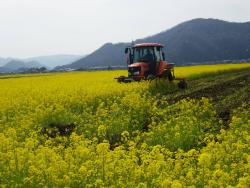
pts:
[12, 64]
[4, 61]
[33, 64]
[197, 40]
[55, 60]
[202, 40]
[108, 55]
[16, 65]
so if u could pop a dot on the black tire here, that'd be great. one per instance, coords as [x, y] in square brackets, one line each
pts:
[146, 76]
[169, 75]
[149, 76]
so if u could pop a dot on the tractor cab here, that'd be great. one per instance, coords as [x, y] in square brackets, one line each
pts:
[147, 60]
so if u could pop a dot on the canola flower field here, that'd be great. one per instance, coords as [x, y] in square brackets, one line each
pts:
[83, 129]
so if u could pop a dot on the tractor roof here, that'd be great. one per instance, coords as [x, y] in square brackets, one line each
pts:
[147, 45]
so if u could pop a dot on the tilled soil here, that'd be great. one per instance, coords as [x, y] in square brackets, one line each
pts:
[227, 91]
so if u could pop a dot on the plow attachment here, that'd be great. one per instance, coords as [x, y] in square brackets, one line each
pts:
[182, 84]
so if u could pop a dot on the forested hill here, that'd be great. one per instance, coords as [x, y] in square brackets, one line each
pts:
[194, 41]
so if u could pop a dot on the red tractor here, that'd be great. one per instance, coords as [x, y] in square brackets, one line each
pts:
[146, 61]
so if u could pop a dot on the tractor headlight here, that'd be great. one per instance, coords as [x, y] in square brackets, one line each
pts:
[137, 73]
[134, 71]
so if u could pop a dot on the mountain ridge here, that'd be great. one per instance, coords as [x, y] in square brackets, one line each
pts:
[53, 61]
[49, 61]
[16, 65]
[194, 41]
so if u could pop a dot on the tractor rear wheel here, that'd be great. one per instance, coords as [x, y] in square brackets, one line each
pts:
[169, 75]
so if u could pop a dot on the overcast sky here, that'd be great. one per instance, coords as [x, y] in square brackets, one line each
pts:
[45, 27]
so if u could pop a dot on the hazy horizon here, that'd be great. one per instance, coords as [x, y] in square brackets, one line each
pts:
[31, 28]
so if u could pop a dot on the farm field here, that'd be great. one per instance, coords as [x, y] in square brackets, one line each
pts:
[83, 129]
